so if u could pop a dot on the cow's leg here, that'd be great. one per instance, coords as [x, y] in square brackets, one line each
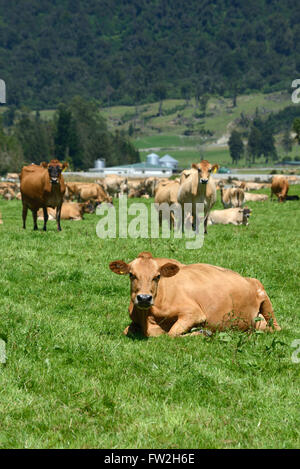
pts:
[45, 218]
[58, 212]
[132, 329]
[24, 215]
[205, 225]
[185, 324]
[34, 216]
[266, 311]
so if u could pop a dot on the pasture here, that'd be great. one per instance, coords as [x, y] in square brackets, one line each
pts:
[72, 380]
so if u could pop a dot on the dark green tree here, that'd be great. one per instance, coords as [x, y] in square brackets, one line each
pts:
[254, 146]
[287, 141]
[236, 146]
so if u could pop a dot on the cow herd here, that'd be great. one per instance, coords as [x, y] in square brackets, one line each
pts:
[44, 191]
[166, 295]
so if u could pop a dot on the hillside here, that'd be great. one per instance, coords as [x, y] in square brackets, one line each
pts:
[139, 51]
[180, 130]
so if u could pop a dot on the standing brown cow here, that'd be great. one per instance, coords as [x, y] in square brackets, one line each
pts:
[197, 186]
[41, 187]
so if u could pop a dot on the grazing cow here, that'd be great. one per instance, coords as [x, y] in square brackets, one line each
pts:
[41, 187]
[113, 183]
[249, 197]
[93, 191]
[170, 297]
[150, 185]
[83, 191]
[69, 211]
[1, 221]
[279, 187]
[231, 197]
[166, 193]
[233, 216]
[196, 186]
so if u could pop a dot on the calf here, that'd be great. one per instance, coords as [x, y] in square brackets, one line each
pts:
[170, 297]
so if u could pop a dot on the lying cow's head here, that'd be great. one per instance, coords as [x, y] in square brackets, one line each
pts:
[246, 214]
[87, 207]
[204, 169]
[145, 275]
[55, 169]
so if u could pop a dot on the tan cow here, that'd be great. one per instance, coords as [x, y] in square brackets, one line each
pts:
[233, 216]
[69, 211]
[166, 193]
[113, 183]
[197, 186]
[250, 197]
[93, 191]
[232, 196]
[170, 297]
[41, 187]
[279, 187]
[13, 176]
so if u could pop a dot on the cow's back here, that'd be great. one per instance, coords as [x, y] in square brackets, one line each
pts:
[202, 288]
[33, 182]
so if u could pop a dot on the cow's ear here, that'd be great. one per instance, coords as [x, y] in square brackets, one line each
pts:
[44, 164]
[65, 166]
[119, 267]
[215, 168]
[194, 166]
[169, 269]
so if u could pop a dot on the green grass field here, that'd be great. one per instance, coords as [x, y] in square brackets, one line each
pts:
[72, 380]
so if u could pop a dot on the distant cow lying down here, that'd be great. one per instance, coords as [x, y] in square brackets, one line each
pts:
[170, 297]
[250, 197]
[69, 211]
[233, 216]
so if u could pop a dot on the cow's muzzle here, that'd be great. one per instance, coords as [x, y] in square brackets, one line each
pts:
[54, 180]
[203, 181]
[144, 301]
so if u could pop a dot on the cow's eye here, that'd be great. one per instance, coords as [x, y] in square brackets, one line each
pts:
[132, 276]
[157, 277]
[209, 170]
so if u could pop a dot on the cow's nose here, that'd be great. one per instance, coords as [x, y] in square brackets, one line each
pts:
[203, 181]
[144, 298]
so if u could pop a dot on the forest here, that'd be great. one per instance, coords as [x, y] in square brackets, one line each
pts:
[77, 133]
[135, 51]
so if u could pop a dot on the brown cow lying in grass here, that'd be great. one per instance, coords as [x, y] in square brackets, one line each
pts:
[250, 197]
[69, 211]
[170, 297]
[230, 216]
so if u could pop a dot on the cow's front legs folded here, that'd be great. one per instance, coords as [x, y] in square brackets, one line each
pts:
[183, 325]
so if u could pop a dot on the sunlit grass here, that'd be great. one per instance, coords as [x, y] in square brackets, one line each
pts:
[72, 380]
